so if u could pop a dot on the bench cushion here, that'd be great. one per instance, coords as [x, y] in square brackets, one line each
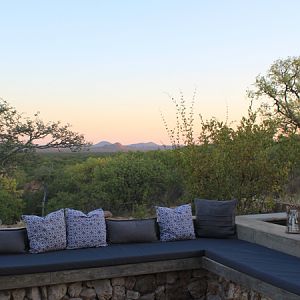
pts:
[116, 254]
[274, 267]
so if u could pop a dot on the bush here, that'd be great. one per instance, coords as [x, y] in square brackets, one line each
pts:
[126, 184]
[11, 204]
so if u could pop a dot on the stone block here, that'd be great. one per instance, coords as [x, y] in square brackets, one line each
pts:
[103, 289]
[118, 292]
[150, 296]
[160, 293]
[57, 292]
[75, 289]
[88, 294]
[18, 294]
[130, 282]
[145, 284]
[4, 295]
[132, 295]
[44, 292]
[176, 292]
[197, 288]
[172, 277]
[118, 281]
[34, 294]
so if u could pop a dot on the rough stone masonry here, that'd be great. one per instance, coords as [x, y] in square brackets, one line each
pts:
[180, 285]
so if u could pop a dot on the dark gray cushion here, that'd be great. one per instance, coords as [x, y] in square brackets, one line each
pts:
[215, 218]
[131, 231]
[13, 240]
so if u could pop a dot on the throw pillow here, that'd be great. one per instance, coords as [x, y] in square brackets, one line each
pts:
[85, 230]
[13, 240]
[175, 223]
[215, 218]
[46, 233]
[132, 231]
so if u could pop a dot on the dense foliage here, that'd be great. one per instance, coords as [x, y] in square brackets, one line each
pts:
[126, 183]
[245, 163]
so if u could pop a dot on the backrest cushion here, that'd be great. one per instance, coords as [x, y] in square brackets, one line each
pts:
[46, 233]
[215, 218]
[175, 223]
[132, 231]
[13, 240]
[85, 230]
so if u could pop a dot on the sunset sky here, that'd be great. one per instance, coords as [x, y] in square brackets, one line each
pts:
[108, 67]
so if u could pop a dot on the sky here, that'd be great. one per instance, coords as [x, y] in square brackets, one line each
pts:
[110, 67]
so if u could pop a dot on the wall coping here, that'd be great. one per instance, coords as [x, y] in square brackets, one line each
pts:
[67, 276]
[256, 229]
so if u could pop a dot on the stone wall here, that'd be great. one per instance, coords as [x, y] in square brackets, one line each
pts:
[180, 285]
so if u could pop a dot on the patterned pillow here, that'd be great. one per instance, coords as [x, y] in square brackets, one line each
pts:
[175, 223]
[46, 233]
[85, 231]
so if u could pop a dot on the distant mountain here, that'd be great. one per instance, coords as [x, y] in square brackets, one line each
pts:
[105, 146]
[144, 146]
[108, 147]
[102, 143]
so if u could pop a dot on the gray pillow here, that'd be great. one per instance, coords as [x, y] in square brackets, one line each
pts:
[46, 233]
[85, 231]
[215, 218]
[132, 231]
[13, 240]
[175, 223]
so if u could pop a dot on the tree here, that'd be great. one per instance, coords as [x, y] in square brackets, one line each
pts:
[281, 85]
[21, 135]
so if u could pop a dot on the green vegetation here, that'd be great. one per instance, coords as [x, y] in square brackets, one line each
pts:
[255, 161]
[125, 183]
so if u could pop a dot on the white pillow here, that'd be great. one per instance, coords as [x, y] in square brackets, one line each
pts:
[175, 223]
[46, 233]
[85, 231]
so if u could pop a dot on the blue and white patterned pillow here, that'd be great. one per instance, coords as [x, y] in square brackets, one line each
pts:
[46, 233]
[175, 223]
[85, 231]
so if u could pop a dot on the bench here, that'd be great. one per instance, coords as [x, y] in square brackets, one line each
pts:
[273, 273]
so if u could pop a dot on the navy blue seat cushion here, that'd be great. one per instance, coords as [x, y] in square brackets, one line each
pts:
[115, 254]
[274, 267]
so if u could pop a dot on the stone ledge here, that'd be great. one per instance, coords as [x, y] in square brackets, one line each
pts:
[51, 278]
[256, 229]
[245, 280]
